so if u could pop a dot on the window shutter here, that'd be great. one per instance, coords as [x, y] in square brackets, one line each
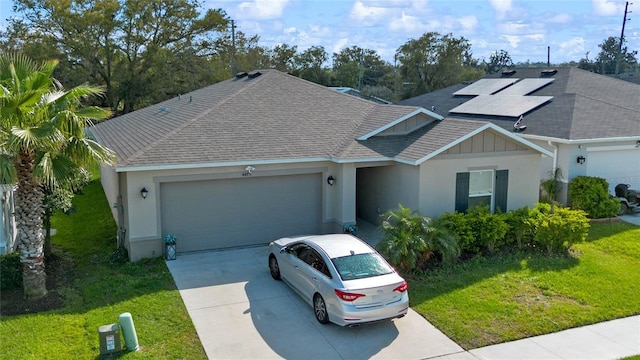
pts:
[502, 189]
[462, 192]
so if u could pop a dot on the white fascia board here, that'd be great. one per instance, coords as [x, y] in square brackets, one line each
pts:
[487, 126]
[357, 160]
[580, 141]
[399, 120]
[223, 164]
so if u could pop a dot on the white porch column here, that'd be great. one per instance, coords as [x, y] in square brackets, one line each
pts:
[347, 187]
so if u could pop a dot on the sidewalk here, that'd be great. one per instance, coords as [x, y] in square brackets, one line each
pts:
[613, 340]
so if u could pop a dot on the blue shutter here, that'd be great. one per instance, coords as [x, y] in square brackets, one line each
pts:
[502, 189]
[462, 192]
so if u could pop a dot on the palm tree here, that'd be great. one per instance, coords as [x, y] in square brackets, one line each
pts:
[42, 143]
[410, 239]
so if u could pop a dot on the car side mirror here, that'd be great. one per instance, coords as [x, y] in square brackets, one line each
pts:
[284, 250]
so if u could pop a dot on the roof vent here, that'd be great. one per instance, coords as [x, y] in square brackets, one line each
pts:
[548, 72]
[508, 72]
[240, 75]
[254, 74]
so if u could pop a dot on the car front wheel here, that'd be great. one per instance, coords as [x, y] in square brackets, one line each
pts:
[274, 268]
[320, 309]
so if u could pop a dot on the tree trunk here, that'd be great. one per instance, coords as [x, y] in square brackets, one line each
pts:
[28, 212]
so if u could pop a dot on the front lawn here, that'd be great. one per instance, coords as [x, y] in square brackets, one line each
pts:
[493, 300]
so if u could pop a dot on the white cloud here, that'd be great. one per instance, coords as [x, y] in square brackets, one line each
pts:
[406, 23]
[513, 40]
[469, 22]
[573, 48]
[560, 19]
[262, 9]
[501, 7]
[606, 7]
[367, 14]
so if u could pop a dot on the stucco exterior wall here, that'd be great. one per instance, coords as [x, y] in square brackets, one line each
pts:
[438, 179]
[382, 188]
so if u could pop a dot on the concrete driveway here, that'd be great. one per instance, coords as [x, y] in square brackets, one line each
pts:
[240, 312]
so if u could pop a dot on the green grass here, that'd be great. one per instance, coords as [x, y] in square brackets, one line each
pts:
[99, 290]
[492, 300]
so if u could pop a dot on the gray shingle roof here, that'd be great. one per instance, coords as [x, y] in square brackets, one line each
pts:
[272, 117]
[584, 105]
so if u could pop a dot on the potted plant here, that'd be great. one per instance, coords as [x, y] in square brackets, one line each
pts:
[350, 229]
[169, 247]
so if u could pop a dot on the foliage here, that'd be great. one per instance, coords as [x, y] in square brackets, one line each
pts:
[11, 271]
[520, 227]
[551, 187]
[498, 61]
[612, 59]
[410, 239]
[435, 61]
[44, 144]
[489, 229]
[556, 231]
[522, 294]
[357, 68]
[458, 224]
[591, 194]
[169, 239]
[123, 45]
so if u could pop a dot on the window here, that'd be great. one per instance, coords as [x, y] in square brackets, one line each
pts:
[361, 266]
[483, 187]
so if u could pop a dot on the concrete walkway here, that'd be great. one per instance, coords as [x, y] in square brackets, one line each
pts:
[614, 339]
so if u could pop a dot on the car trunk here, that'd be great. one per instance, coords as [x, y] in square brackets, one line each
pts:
[378, 290]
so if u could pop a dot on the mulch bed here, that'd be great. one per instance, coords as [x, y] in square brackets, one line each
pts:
[58, 268]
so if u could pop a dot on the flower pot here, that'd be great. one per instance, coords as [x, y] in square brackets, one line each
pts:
[170, 251]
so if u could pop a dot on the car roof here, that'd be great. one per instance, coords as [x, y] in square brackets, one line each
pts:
[338, 245]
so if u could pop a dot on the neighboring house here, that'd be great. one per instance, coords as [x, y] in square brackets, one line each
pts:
[356, 92]
[266, 154]
[8, 232]
[590, 122]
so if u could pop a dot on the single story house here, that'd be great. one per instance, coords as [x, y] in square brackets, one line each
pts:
[590, 122]
[266, 154]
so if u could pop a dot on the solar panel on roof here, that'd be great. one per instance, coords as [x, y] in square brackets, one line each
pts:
[485, 87]
[501, 105]
[525, 87]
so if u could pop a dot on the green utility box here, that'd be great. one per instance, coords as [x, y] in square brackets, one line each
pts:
[109, 340]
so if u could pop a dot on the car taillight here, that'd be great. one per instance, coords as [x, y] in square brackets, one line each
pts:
[346, 296]
[402, 287]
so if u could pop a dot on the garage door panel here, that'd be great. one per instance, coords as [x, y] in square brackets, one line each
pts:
[615, 166]
[238, 212]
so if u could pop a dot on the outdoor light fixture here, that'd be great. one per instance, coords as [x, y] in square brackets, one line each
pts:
[144, 192]
[580, 160]
[331, 180]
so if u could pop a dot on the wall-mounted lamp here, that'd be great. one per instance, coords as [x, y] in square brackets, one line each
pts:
[580, 160]
[144, 192]
[331, 180]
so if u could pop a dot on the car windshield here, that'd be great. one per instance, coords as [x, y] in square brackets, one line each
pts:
[361, 266]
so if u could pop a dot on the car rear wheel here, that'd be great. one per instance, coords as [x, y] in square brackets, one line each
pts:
[624, 208]
[320, 309]
[274, 268]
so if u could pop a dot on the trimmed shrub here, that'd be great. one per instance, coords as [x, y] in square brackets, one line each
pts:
[11, 271]
[591, 194]
[459, 225]
[520, 227]
[488, 229]
[556, 232]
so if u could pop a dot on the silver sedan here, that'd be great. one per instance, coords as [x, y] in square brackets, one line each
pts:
[344, 279]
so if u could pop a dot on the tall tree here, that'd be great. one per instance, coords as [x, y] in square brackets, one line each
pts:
[498, 61]
[123, 44]
[612, 58]
[310, 65]
[283, 57]
[434, 62]
[42, 143]
[357, 67]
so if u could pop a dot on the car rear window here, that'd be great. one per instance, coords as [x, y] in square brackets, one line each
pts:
[361, 266]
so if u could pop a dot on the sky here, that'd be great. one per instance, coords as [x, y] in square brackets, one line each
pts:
[528, 30]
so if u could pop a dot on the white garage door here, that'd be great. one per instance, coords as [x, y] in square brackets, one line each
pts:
[616, 166]
[216, 214]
